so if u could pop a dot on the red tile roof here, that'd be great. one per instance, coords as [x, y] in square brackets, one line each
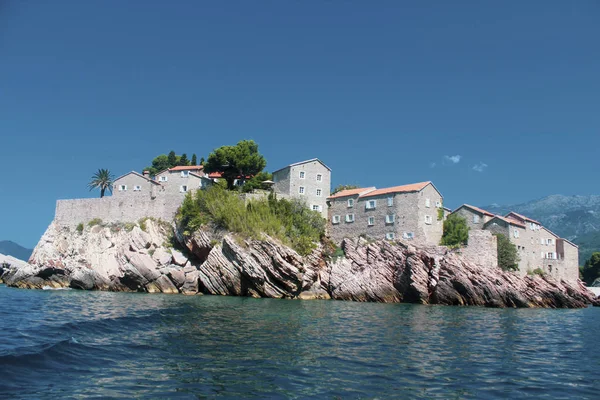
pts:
[187, 168]
[350, 192]
[479, 210]
[524, 218]
[413, 187]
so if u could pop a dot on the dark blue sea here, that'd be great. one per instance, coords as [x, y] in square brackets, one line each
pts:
[73, 344]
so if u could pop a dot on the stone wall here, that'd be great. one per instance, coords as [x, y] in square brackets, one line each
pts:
[482, 249]
[116, 209]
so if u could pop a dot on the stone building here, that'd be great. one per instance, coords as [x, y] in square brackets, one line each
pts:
[475, 217]
[308, 180]
[134, 184]
[180, 179]
[411, 212]
[538, 247]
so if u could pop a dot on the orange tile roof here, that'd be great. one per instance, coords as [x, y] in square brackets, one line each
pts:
[215, 174]
[350, 192]
[479, 210]
[524, 218]
[413, 187]
[187, 168]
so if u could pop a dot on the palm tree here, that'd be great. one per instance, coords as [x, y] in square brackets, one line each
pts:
[103, 180]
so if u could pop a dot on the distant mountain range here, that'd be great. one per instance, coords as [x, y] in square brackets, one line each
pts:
[9, 248]
[576, 218]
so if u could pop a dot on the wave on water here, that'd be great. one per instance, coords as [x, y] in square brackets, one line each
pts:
[52, 288]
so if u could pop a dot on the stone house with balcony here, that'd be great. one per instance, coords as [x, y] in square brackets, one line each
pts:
[308, 180]
[409, 212]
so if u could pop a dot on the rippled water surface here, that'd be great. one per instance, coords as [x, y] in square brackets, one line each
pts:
[61, 344]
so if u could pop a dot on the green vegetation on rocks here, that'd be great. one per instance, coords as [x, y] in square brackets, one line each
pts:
[290, 221]
[456, 231]
[508, 258]
[591, 269]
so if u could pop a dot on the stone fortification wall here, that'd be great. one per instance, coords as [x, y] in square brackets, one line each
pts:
[482, 249]
[116, 209]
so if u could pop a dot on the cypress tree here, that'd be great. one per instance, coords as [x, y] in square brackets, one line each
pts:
[194, 160]
[172, 159]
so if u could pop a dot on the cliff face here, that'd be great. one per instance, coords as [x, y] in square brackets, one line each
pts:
[102, 258]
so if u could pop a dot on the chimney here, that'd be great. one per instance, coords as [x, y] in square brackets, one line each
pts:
[147, 174]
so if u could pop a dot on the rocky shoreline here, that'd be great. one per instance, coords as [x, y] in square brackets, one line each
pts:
[132, 259]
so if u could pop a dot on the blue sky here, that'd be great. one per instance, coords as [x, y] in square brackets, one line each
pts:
[493, 102]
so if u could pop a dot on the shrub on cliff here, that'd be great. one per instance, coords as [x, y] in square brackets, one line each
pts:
[508, 258]
[591, 269]
[287, 220]
[456, 231]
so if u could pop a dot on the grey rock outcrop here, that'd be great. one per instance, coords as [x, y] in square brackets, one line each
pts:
[107, 258]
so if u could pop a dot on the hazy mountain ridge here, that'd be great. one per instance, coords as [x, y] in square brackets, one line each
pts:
[576, 218]
[9, 248]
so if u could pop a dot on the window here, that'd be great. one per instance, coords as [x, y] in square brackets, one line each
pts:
[549, 242]
[319, 192]
[335, 219]
[185, 174]
[542, 241]
[137, 188]
[301, 190]
[302, 174]
[316, 207]
[428, 219]
[389, 219]
[390, 201]
[427, 203]
[319, 177]
[183, 188]
[350, 202]
[408, 235]
[390, 236]
[163, 178]
[371, 221]
[371, 204]
[122, 188]
[349, 217]
[550, 256]
[516, 233]
[438, 204]
[475, 219]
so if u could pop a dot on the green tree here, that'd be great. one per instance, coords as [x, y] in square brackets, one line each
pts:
[194, 159]
[456, 231]
[202, 161]
[508, 258]
[591, 269]
[172, 159]
[339, 188]
[183, 160]
[160, 163]
[256, 182]
[243, 160]
[102, 180]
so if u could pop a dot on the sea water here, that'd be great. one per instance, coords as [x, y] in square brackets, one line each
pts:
[75, 344]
